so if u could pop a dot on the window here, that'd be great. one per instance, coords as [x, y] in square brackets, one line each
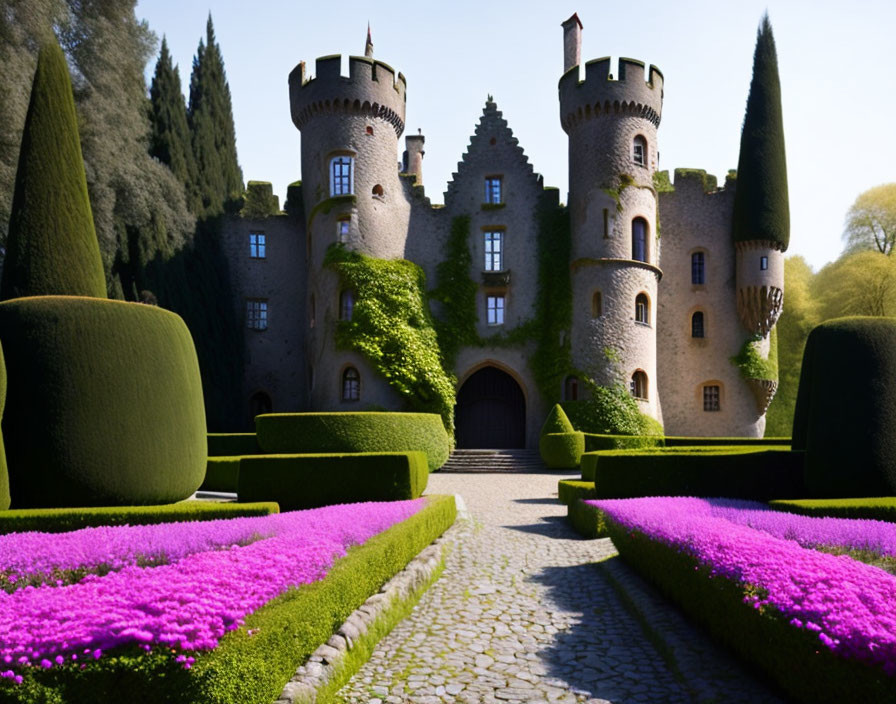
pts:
[763, 263]
[698, 268]
[377, 191]
[639, 385]
[342, 227]
[494, 306]
[257, 315]
[494, 251]
[493, 190]
[341, 176]
[351, 385]
[639, 239]
[596, 305]
[346, 305]
[313, 313]
[639, 151]
[369, 130]
[711, 398]
[257, 245]
[571, 389]
[606, 223]
[642, 309]
[697, 329]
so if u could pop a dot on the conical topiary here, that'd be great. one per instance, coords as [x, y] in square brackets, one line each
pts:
[52, 247]
[761, 210]
[557, 422]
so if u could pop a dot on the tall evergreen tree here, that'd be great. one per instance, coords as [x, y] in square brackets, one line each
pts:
[761, 206]
[169, 139]
[220, 178]
[52, 246]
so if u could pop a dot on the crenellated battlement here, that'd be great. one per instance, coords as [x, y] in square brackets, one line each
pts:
[599, 94]
[371, 88]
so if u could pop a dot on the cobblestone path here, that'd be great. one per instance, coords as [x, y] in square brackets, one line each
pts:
[523, 614]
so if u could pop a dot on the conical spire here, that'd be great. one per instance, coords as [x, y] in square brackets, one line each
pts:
[368, 47]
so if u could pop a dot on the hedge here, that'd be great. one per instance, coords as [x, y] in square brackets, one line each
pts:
[104, 404]
[253, 663]
[61, 520]
[587, 520]
[292, 433]
[562, 450]
[222, 474]
[741, 473]
[875, 508]
[845, 414]
[4, 472]
[556, 422]
[595, 441]
[232, 444]
[308, 481]
[680, 441]
[570, 490]
[790, 656]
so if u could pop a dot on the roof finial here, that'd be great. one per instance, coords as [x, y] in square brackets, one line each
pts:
[368, 47]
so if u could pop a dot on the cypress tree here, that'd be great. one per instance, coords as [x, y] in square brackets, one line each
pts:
[52, 246]
[220, 178]
[169, 139]
[761, 209]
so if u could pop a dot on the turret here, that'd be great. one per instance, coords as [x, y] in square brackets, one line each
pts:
[613, 154]
[572, 42]
[413, 156]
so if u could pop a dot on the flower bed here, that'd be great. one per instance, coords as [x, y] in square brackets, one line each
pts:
[217, 581]
[823, 626]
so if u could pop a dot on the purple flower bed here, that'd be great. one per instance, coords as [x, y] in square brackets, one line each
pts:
[189, 603]
[851, 606]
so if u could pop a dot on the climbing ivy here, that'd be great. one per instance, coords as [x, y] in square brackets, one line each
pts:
[392, 327]
[752, 365]
[615, 192]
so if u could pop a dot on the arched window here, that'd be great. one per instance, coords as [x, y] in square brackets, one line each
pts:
[377, 191]
[639, 385]
[697, 325]
[698, 268]
[642, 309]
[369, 130]
[596, 305]
[571, 388]
[639, 150]
[346, 304]
[341, 176]
[351, 384]
[639, 240]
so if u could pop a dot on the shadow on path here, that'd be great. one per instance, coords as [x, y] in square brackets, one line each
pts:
[551, 502]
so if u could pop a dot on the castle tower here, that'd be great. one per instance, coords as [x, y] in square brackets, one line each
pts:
[352, 195]
[612, 127]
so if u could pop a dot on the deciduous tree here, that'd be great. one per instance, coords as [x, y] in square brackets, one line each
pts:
[871, 221]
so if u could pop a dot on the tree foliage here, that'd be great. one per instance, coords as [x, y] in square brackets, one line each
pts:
[52, 246]
[761, 206]
[871, 221]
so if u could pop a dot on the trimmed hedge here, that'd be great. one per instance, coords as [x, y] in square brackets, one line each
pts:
[222, 474]
[308, 481]
[680, 441]
[586, 520]
[232, 444]
[570, 490]
[875, 508]
[104, 404]
[562, 450]
[292, 433]
[734, 472]
[4, 472]
[595, 441]
[556, 422]
[791, 656]
[253, 663]
[845, 414]
[62, 520]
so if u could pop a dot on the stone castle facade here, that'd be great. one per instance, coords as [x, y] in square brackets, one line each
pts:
[662, 298]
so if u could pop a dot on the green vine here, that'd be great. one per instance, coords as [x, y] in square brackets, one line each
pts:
[751, 363]
[392, 327]
[615, 192]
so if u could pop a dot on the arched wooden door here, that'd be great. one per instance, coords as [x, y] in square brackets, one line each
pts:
[490, 411]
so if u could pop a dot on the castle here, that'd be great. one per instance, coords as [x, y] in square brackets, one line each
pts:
[663, 300]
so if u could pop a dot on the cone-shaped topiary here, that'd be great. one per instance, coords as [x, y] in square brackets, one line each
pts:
[557, 422]
[761, 210]
[52, 246]
[845, 416]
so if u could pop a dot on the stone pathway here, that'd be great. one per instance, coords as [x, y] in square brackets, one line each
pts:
[523, 614]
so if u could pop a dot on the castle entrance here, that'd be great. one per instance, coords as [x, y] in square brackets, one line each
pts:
[490, 411]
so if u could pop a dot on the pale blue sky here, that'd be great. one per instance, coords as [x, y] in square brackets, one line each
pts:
[835, 59]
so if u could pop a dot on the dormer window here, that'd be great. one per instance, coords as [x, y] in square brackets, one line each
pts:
[341, 176]
[639, 151]
[494, 251]
[493, 191]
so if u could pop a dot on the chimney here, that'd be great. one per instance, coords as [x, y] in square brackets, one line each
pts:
[413, 156]
[572, 42]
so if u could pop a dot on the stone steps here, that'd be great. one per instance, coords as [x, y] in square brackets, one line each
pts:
[475, 461]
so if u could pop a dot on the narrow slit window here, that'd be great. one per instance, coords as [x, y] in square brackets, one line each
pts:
[697, 325]
[642, 309]
[698, 268]
[763, 263]
[639, 240]
[596, 305]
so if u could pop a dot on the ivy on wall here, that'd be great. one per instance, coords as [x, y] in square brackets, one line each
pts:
[752, 364]
[392, 327]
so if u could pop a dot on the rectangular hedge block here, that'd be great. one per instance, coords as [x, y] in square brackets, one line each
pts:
[875, 508]
[308, 481]
[594, 442]
[232, 444]
[221, 474]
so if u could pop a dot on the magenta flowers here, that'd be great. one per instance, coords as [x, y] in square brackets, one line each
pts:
[210, 581]
[851, 606]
